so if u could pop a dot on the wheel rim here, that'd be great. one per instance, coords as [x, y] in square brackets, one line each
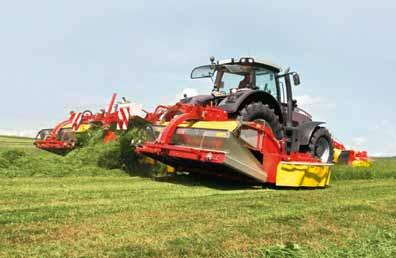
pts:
[322, 149]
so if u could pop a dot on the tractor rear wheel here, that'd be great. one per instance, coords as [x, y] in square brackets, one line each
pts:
[321, 145]
[259, 111]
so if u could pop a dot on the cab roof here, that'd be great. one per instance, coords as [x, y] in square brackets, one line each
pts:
[251, 61]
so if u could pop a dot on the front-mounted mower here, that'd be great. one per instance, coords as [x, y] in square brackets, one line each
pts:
[204, 140]
[249, 127]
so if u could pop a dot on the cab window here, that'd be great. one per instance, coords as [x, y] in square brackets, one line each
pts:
[265, 80]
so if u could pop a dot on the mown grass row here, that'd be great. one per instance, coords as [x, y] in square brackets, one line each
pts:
[91, 158]
[118, 159]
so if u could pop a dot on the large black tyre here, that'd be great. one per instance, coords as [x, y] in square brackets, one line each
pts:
[321, 145]
[257, 110]
[87, 112]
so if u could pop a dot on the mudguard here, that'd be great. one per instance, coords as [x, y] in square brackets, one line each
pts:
[233, 103]
[306, 130]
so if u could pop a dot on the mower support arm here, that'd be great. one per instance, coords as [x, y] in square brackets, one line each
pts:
[111, 104]
[168, 132]
[189, 112]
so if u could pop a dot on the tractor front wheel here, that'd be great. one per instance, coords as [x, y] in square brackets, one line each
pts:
[321, 145]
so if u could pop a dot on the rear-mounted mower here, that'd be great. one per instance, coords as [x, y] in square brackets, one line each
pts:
[62, 138]
[353, 158]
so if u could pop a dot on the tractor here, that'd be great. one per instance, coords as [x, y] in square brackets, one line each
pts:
[250, 90]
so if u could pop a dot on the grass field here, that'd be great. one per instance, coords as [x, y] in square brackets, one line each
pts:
[80, 212]
[15, 142]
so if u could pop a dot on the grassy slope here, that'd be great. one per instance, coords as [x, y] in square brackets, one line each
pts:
[15, 142]
[18, 138]
[137, 217]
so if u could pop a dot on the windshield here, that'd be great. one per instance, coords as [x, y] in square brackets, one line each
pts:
[238, 76]
[231, 81]
[234, 76]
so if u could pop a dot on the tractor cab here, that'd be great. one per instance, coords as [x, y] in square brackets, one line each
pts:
[236, 82]
[230, 76]
[247, 75]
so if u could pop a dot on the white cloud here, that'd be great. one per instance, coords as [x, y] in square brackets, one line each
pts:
[314, 102]
[189, 92]
[318, 107]
[379, 139]
[358, 142]
[377, 154]
[20, 133]
[307, 100]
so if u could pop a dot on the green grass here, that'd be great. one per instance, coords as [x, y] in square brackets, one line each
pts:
[382, 168]
[137, 217]
[29, 162]
[79, 212]
[16, 138]
[15, 142]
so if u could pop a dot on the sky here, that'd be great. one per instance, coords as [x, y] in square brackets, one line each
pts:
[57, 56]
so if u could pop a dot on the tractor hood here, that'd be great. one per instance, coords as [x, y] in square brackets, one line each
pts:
[197, 100]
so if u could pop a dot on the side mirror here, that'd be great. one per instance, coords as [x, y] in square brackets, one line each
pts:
[296, 79]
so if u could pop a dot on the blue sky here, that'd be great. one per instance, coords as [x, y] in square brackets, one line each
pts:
[56, 56]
